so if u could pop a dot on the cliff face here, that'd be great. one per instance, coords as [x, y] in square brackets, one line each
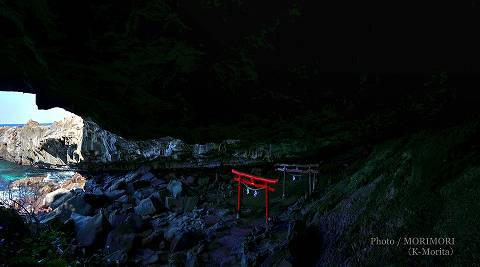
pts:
[58, 144]
[75, 142]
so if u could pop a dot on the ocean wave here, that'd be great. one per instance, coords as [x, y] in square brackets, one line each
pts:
[58, 176]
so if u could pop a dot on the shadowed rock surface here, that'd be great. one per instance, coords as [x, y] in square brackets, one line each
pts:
[237, 83]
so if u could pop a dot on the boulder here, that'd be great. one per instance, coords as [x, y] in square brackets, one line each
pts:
[175, 187]
[120, 239]
[90, 230]
[158, 183]
[145, 207]
[147, 176]
[78, 205]
[131, 176]
[118, 184]
[115, 218]
[61, 199]
[185, 240]
[183, 204]
[52, 196]
[142, 194]
[61, 214]
[114, 195]
[123, 199]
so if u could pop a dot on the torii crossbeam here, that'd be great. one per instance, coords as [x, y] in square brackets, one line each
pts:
[256, 181]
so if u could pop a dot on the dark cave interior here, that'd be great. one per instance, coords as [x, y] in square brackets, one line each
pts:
[385, 102]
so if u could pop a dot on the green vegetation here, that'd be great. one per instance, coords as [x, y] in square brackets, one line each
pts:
[425, 185]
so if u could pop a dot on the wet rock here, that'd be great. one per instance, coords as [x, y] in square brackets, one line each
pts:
[175, 187]
[145, 207]
[89, 230]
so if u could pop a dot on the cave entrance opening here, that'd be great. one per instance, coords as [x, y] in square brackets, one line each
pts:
[17, 108]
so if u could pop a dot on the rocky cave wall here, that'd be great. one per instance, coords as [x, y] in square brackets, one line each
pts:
[214, 71]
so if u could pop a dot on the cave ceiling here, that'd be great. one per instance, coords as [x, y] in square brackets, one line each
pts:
[212, 70]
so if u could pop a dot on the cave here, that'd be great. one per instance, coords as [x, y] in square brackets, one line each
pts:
[333, 126]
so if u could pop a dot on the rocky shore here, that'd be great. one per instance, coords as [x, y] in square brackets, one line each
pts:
[37, 193]
[144, 217]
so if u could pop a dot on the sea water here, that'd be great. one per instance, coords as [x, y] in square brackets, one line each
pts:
[10, 172]
[20, 125]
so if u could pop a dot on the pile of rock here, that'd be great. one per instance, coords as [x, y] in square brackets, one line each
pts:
[126, 217]
[138, 218]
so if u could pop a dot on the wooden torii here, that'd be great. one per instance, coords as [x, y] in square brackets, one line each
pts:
[256, 181]
[299, 169]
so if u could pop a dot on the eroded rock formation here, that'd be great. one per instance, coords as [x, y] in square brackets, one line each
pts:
[80, 143]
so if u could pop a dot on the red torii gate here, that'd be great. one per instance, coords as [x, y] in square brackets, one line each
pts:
[256, 181]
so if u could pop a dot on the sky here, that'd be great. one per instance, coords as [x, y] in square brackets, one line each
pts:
[18, 108]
